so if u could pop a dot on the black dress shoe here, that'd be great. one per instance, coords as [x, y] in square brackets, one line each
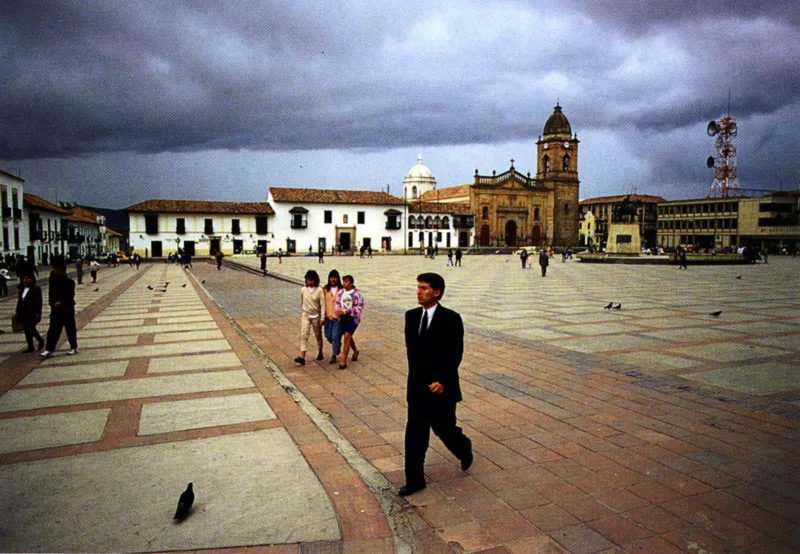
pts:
[407, 490]
[466, 461]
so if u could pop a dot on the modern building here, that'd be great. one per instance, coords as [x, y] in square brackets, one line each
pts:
[768, 222]
[47, 229]
[161, 227]
[512, 209]
[602, 208]
[14, 238]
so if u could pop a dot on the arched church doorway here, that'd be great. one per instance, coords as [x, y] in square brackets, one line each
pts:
[536, 236]
[484, 235]
[511, 233]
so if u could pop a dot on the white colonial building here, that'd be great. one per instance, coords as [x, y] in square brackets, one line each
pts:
[161, 227]
[47, 229]
[309, 220]
[15, 235]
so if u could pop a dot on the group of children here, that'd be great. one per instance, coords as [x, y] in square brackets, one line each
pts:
[336, 308]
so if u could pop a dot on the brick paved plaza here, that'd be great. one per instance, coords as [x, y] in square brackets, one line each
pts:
[656, 428]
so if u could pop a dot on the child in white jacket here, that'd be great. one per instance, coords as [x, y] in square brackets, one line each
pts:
[312, 304]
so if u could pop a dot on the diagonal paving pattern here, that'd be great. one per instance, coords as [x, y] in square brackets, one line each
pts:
[659, 428]
[158, 396]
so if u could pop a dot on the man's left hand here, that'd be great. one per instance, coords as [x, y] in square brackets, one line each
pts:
[436, 387]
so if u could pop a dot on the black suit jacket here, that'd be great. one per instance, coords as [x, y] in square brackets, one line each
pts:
[29, 309]
[434, 356]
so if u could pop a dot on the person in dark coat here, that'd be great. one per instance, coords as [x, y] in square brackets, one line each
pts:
[29, 311]
[544, 261]
[435, 345]
[61, 297]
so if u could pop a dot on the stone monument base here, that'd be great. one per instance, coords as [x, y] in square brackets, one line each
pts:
[624, 239]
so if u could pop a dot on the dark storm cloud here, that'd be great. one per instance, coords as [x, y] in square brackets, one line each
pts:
[84, 77]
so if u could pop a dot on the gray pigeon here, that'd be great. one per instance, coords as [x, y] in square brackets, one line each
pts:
[184, 503]
[609, 306]
[617, 307]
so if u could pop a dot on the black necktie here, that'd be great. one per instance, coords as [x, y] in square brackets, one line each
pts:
[424, 326]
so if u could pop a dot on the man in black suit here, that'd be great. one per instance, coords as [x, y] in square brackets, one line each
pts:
[435, 345]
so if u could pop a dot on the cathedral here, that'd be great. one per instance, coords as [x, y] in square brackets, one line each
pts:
[515, 209]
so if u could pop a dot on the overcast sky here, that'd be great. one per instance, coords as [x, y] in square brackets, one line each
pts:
[111, 103]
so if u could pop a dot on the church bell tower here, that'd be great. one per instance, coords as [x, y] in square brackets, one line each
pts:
[557, 170]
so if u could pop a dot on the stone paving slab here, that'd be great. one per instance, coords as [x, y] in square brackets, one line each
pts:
[193, 362]
[76, 372]
[103, 331]
[123, 500]
[70, 395]
[758, 379]
[166, 417]
[47, 431]
[147, 350]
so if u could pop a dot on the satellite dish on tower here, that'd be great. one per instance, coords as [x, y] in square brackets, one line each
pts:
[712, 128]
[710, 162]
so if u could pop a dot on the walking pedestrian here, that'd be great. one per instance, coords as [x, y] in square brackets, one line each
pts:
[61, 297]
[29, 311]
[523, 257]
[137, 259]
[312, 306]
[94, 267]
[219, 257]
[321, 255]
[333, 332]
[458, 256]
[280, 255]
[349, 305]
[449, 257]
[544, 261]
[79, 269]
[263, 257]
[435, 346]
[3, 282]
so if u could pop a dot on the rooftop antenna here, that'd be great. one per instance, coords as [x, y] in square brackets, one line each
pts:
[726, 174]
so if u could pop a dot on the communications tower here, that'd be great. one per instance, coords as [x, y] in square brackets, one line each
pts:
[726, 175]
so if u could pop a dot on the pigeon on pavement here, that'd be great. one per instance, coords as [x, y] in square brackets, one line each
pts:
[609, 306]
[618, 307]
[184, 503]
[716, 314]
[149, 287]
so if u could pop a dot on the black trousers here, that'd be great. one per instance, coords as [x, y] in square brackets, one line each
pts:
[422, 417]
[62, 320]
[31, 333]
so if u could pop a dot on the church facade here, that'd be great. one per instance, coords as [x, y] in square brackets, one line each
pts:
[515, 209]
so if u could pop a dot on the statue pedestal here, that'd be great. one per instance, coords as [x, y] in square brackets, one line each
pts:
[624, 238]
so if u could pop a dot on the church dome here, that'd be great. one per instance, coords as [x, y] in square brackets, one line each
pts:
[419, 171]
[557, 124]
[418, 181]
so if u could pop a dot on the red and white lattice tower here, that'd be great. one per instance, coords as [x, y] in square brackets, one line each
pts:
[726, 175]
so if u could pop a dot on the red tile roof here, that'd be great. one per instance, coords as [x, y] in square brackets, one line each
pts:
[200, 206]
[41, 204]
[79, 214]
[646, 198]
[328, 196]
[455, 208]
[447, 193]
